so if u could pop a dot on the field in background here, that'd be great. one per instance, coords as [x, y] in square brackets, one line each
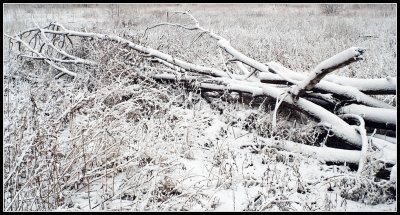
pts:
[133, 144]
[298, 36]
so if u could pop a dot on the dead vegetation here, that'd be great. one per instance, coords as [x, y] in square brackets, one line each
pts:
[96, 105]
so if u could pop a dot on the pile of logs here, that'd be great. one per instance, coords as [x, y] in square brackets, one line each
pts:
[335, 102]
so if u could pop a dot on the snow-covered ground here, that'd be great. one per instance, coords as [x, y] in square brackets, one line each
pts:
[190, 157]
[109, 140]
[218, 173]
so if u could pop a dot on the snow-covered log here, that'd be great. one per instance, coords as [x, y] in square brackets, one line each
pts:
[339, 91]
[374, 117]
[337, 126]
[340, 60]
[385, 137]
[326, 154]
[370, 86]
[218, 80]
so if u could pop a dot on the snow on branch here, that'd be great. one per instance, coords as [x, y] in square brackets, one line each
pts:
[374, 117]
[342, 59]
[364, 139]
[213, 79]
[339, 60]
[342, 92]
[40, 56]
[370, 86]
[326, 118]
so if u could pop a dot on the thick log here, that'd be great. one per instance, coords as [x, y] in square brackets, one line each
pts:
[387, 138]
[340, 60]
[339, 91]
[343, 92]
[374, 117]
[370, 86]
[337, 126]
[326, 154]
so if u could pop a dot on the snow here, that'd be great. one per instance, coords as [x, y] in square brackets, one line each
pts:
[321, 153]
[349, 92]
[327, 66]
[393, 173]
[353, 53]
[388, 116]
[219, 174]
[364, 84]
[176, 158]
[361, 84]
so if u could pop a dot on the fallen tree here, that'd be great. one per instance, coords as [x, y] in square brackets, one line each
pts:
[327, 119]
[318, 85]
[374, 117]
[343, 92]
[370, 86]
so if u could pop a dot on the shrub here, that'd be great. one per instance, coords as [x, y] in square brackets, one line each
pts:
[331, 9]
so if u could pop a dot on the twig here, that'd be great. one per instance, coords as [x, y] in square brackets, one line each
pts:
[223, 62]
[278, 103]
[365, 143]
[64, 70]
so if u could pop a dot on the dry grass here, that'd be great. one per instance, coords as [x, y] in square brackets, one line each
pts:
[299, 38]
[127, 143]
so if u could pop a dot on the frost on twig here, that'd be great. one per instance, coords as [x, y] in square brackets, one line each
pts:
[365, 143]
[40, 56]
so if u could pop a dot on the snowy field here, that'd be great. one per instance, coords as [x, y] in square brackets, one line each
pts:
[111, 140]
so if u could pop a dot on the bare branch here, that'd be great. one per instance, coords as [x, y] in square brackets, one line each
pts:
[64, 70]
[47, 41]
